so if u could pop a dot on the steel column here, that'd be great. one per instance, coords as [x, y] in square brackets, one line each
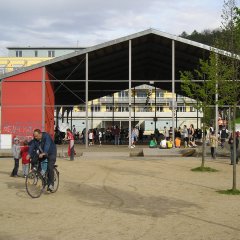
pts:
[43, 98]
[86, 102]
[129, 95]
[173, 90]
[216, 109]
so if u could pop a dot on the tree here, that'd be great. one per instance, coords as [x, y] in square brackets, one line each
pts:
[204, 91]
[221, 74]
[229, 88]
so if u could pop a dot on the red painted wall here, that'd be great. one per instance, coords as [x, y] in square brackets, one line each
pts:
[49, 110]
[22, 104]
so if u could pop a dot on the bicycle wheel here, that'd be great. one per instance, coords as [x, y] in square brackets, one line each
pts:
[56, 180]
[34, 184]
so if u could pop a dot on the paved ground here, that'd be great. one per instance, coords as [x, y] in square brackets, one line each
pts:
[105, 197]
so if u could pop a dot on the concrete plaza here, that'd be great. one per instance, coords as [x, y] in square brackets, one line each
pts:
[108, 195]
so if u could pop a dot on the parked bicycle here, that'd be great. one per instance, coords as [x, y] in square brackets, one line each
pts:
[36, 182]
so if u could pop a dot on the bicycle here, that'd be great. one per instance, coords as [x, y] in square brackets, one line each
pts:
[36, 182]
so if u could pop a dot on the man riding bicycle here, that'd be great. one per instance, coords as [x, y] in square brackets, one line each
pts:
[43, 143]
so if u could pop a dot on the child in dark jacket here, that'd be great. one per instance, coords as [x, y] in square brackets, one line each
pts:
[25, 161]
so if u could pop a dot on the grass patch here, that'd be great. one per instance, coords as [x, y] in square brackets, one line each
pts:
[237, 120]
[229, 192]
[204, 169]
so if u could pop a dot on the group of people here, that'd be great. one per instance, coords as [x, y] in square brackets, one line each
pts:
[185, 137]
[41, 148]
[222, 137]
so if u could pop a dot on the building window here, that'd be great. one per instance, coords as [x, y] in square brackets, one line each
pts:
[18, 53]
[160, 109]
[192, 109]
[109, 108]
[181, 108]
[51, 53]
[95, 108]
[123, 94]
[121, 108]
[36, 53]
[160, 94]
[141, 94]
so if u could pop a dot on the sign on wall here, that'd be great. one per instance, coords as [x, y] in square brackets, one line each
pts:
[5, 141]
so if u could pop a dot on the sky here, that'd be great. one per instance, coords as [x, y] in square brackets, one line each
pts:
[83, 23]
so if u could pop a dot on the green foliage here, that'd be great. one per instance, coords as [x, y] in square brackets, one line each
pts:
[204, 169]
[205, 90]
[237, 120]
[229, 192]
[207, 36]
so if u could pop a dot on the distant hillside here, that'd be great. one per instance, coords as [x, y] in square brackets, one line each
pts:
[208, 37]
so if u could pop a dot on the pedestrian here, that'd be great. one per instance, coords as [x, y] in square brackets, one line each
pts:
[213, 144]
[185, 136]
[223, 135]
[16, 156]
[100, 137]
[166, 133]
[230, 141]
[116, 133]
[191, 136]
[70, 138]
[134, 137]
[90, 137]
[25, 161]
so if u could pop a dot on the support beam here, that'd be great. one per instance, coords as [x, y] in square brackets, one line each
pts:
[71, 119]
[86, 102]
[113, 110]
[155, 112]
[216, 109]
[129, 95]
[43, 97]
[173, 91]
[134, 107]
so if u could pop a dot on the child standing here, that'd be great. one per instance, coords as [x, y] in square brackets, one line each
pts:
[16, 155]
[90, 137]
[25, 161]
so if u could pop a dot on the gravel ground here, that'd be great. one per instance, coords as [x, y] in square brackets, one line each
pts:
[104, 197]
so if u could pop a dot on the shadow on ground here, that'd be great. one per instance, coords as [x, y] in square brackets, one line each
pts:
[129, 202]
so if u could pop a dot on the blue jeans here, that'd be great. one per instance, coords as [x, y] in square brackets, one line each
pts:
[25, 169]
[116, 139]
[44, 165]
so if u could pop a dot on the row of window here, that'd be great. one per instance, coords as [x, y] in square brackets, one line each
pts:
[51, 53]
[97, 108]
[143, 94]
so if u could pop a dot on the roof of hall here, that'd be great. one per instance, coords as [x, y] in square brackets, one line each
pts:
[151, 60]
[105, 45]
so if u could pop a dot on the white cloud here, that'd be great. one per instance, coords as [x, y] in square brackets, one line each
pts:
[61, 22]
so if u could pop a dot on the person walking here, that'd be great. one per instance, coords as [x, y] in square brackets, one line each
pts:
[213, 144]
[100, 137]
[185, 136]
[70, 138]
[16, 150]
[116, 133]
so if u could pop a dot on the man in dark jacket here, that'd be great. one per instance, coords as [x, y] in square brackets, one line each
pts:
[46, 147]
